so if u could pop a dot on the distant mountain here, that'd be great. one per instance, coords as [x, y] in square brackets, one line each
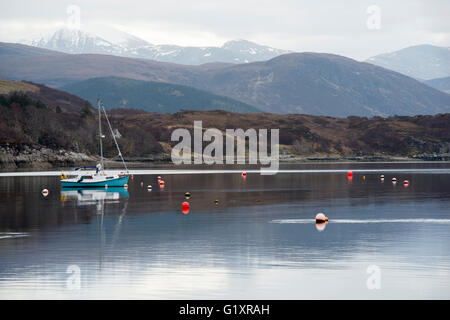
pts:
[422, 62]
[152, 96]
[76, 41]
[311, 83]
[442, 84]
[324, 84]
[21, 62]
[122, 44]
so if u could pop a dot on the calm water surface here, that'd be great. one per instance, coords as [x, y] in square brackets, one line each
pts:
[259, 242]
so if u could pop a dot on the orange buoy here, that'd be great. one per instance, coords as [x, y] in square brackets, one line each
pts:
[320, 218]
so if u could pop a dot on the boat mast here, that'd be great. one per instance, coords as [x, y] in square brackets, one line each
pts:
[114, 137]
[100, 132]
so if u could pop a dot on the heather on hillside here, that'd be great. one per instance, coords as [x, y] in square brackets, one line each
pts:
[25, 121]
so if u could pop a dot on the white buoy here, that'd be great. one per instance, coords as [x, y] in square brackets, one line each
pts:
[45, 192]
[320, 217]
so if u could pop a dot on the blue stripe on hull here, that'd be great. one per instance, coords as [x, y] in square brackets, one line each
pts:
[119, 182]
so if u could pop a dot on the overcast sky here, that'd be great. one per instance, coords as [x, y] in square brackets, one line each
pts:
[323, 26]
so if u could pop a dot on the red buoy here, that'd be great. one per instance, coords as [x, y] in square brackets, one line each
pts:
[185, 207]
[349, 174]
[244, 174]
[161, 182]
[159, 178]
[406, 183]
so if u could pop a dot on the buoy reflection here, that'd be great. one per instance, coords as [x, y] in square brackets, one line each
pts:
[320, 226]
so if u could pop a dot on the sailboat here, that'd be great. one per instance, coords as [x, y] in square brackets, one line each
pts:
[86, 177]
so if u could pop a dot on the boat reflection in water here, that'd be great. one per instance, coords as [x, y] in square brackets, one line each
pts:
[100, 197]
[94, 196]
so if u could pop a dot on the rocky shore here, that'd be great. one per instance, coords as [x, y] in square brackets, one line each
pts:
[12, 156]
[25, 156]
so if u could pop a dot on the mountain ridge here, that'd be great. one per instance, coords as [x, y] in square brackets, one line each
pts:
[423, 62]
[82, 42]
[442, 84]
[313, 83]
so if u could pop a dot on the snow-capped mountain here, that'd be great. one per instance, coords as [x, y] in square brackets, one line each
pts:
[76, 41]
[250, 51]
[123, 44]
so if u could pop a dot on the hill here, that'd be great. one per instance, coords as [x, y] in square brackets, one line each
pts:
[7, 86]
[311, 83]
[422, 62]
[33, 134]
[152, 96]
[442, 84]
[52, 98]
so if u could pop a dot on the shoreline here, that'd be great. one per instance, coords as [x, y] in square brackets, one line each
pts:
[167, 166]
[166, 171]
[45, 158]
